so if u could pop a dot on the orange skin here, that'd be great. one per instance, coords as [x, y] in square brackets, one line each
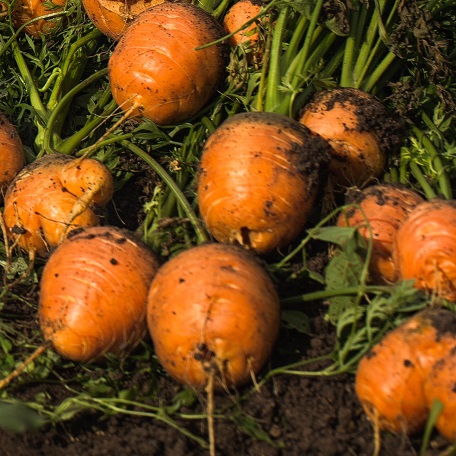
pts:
[395, 403]
[26, 10]
[156, 71]
[259, 177]
[112, 17]
[425, 248]
[13, 157]
[39, 210]
[390, 378]
[53, 215]
[440, 385]
[238, 15]
[93, 293]
[213, 310]
[88, 178]
[357, 155]
[379, 211]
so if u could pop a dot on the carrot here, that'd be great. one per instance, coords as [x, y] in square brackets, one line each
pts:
[25, 11]
[245, 33]
[93, 293]
[44, 202]
[158, 72]
[440, 386]
[213, 313]
[112, 17]
[259, 178]
[13, 156]
[378, 211]
[425, 246]
[360, 130]
[390, 378]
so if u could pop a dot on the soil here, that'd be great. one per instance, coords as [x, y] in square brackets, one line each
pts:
[300, 416]
[294, 414]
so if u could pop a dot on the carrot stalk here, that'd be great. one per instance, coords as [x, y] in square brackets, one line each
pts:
[33, 93]
[272, 97]
[436, 408]
[422, 181]
[58, 112]
[326, 294]
[201, 234]
[444, 184]
[295, 74]
[346, 78]
[214, 9]
[309, 38]
[366, 40]
[295, 41]
[373, 79]
[69, 144]
[73, 65]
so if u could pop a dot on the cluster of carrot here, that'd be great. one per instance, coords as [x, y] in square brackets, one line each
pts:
[91, 305]
[410, 239]
[214, 322]
[287, 162]
[410, 373]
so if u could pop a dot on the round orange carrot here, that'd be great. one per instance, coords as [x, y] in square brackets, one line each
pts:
[390, 378]
[93, 293]
[158, 69]
[27, 10]
[13, 157]
[425, 248]
[213, 310]
[441, 386]
[237, 16]
[360, 130]
[112, 17]
[259, 178]
[40, 210]
[378, 211]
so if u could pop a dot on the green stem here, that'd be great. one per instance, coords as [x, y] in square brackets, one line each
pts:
[274, 75]
[346, 77]
[50, 134]
[107, 142]
[220, 9]
[295, 42]
[324, 45]
[296, 73]
[307, 239]
[201, 234]
[73, 66]
[334, 63]
[325, 294]
[423, 183]
[309, 40]
[443, 180]
[32, 90]
[258, 103]
[365, 53]
[68, 145]
[368, 84]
